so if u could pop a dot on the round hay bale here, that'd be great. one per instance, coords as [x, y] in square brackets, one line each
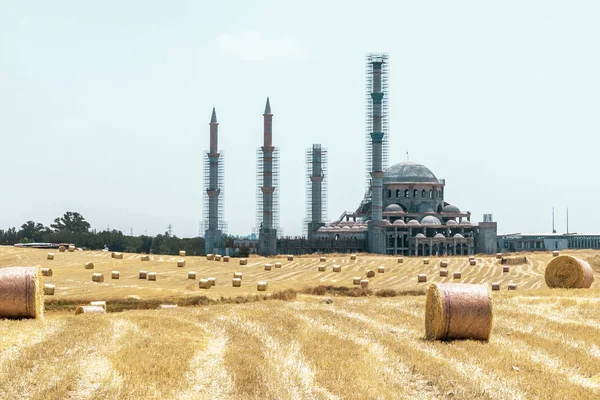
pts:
[458, 311]
[364, 283]
[89, 265]
[117, 255]
[268, 267]
[46, 271]
[505, 268]
[496, 286]
[90, 310]
[49, 289]
[381, 269]
[277, 265]
[569, 272]
[243, 261]
[62, 249]
[290, 257]
[321, 268]
[444, 264]
[356, 280]
[145, 257]
[151, 276]
[457, 275]
[472, 262]
[212, 281]
[370, 273]
[512, 286]
[426, 261]
[400, 260]
[322, 259]
[225, 258]
[71, 249]
[337, 268]
[181, 263]
[210, 257]
[181, 253]
[143, 275]
[352, 257]
[115, 274]
[204, 284]
[237, 275]
[217, 257]
[555, 253]
[21, 293]
[191, 274]
[443, 272]
[50, 256]
[499, 256]
[236, 282]
[262, 286]
[99, 303]
[97, 277]
[422, 278]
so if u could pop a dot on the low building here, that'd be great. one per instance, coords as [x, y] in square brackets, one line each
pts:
[547, 241]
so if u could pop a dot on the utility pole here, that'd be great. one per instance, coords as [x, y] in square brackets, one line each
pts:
[170, 230]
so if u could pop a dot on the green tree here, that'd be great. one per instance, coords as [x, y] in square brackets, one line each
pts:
[33, 231]
[71, 222]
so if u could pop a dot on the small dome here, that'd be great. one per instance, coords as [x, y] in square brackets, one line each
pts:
[450, 209]
[439, 236]
[459, 236]
[414, 222]
[399, 222]
[345, 227]
[322, 229]
[386, 222]
[451, 222]
[430, 220]
[394, 207]
[465, 222]
[420, 235]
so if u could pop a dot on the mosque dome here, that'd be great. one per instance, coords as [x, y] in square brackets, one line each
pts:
[439, 236]
[451, 222]
[394, 207]
[399, 222]
[459, 236]
[420, 235]
[345, 227]
[414, 222]
[408, 172]
[450, 209]
[386, 222]
[430, 220]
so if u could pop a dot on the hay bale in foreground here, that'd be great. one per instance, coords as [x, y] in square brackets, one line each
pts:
[422, 278]
[204, 284]
[400, 260]
[89, 265]
[457, 275]
[337, 268]
[458, 311]
[262, 286]
[290, 257]
[115, 274]
[49, 289]
[496, 286]
[62, 249]
[237, 275]
[90, 310]
[352, 257]
[555, 253]
[356, 280]
[512, 286]
[426, 261]
[145, 258]
[181, 263]
[21, 293]
[321, 268]
[370, 273]
[225, 258]
[151, 276]
[181, 253]
[117, 255]
[569, 272]
[364, 283]
[277, 265]
[381, 269]
[46, 271]
[191, 274]
[268, 267]
[443, 272]
[243, 261]
[50, 256]
[99, 303]
[236, 282]
[97, 277]
[143, 275]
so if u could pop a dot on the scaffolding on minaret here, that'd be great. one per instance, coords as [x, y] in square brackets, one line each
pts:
[259, 194]
[317, 178]
[222, 225]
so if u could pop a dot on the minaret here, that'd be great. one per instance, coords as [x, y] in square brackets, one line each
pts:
[316, 165]
[212, 237]
[268, 231]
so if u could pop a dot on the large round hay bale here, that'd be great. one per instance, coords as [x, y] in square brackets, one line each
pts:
[62, 249]
[21, 293]
[381, 269]
[277, 265]
[370, 273]
[426, 261]
[71, 249]
[50, 256]
[46, 271]
[356, 280]
[236, 282]
[143, 275]
[212, 281]
[243, 261]
[117, 255]
[89, 265]
[217, 257]
[422, 278]
[204, 284]
[151, 276]
[262, 286]
[49, 289]
[225, 258]
[400, 260]
[237, 275]
[97, 277]
[145, 257]
[569, 272]
[90, 310]
[443, 272]
[496, 286]
[115, 274]
[321, 268]
[191, 274]
[458, 311]
[364, 283]
[352, 257]
[181, 263]
[337, 268]
[99, 303]
[268, 267]
[181, 253]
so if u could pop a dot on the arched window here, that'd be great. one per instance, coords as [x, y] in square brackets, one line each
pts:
[415, 193]
[423, 194]
[406, 193]
[397, 192]
[431, 194]
[389, 193]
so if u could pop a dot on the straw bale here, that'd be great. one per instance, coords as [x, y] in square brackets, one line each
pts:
[356, 280]
[212, 281]
[443, 272]
[471, 258]
[50, 256]
[472, 262]
[555, 253]
[322, 259]
[364, 283]
[90, 310]
[352, 257]
[513, 260]
[321, 268]
[117, 255]
[97, 277]
[268, 267]
[62, 249]
[49, 289]
[569, 272]
[89, 265]
[370, 273]
[46, 271]
[191, 274]
[145, 257]
[181, 263]
[337, 268]
[143, 275]
[290, 257]
[499, 255]
[71, 249]
[204, 284]
[443, 264]
[236, 282]
[458, 311]
[151, 276]
[237, 275]
[512, 286]
[181, 253]
[261, 286]
[422, 278]
[426, 261]
[167, 306]
[79, 249]
[505, 268]
[457, 275]
[496, 286]
[243, 261]
[115, 274]
[21, 292]
[225, 258]
[210, 257]
[381, 269]
[99, 303]
[400, 260]
[217, 257]
[277, 265]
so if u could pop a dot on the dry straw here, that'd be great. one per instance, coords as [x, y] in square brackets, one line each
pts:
[457, 275]
[513, 260]
[204, 284]
[268, 267]
[50, 256]
[512, 286]
[117, 256]
[89, 265]
[569, 272]
[167, 306]
[422, 278]
[370, 273]
[356, 280]
[62, 249]
[443, 272]
[243, 261]
[99, 303]
[46, 271]
[337, 268]
[151, 276]
[290, 257]
[496, 286]
[181, 253]
[21, 293]
[426, 261]
[458, 311]
[277, 265]
[236, 282]
[143, 275]
[237, 275]
[181, 263]
[364, 283]
[145, 258]
[352, 257]
[49, 289]
[191, 274]
[115, 274]
[97, 277]
[262, 286]
[90, 310]
[400, 260]
[321, 268]
[212, 281]
[225, 258]
[322, 259]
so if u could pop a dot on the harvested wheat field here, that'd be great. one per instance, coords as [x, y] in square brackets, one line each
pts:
[545, 343]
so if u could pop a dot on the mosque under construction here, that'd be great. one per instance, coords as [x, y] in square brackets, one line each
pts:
[403, 211]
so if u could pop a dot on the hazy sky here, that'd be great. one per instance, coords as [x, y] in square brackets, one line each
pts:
[105, 106]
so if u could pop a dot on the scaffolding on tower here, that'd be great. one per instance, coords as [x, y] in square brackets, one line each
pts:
[205, 186]
[316, 165]
[259, 194]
